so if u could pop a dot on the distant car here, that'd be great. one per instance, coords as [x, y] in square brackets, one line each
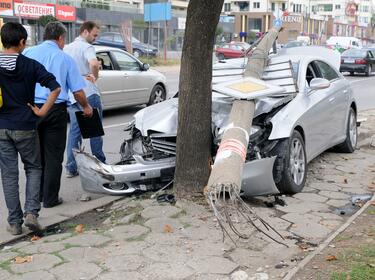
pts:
[114, 39]
[124, 80]
[232, 50]
[358, 61]
[293, 44]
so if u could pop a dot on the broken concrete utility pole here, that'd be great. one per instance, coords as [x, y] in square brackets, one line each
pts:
[224, 185]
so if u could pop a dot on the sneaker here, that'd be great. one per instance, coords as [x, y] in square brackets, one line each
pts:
[71, 174]
[14, 229]
[31, 221]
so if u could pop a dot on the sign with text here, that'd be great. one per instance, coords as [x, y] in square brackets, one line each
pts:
[6, 7]
[292, 18]
[66, 13]
[33, 10]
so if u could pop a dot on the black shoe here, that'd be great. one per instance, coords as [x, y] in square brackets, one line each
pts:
[59, 201]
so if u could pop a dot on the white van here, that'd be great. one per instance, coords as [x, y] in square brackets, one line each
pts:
[344, 42]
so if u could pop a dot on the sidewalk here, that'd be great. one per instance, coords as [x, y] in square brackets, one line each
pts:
[142, 239]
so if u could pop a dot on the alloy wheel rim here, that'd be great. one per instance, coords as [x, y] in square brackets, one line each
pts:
[297, 162]
[353, 130]
[159, 96]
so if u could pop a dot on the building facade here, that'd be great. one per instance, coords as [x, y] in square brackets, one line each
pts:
[318, 19]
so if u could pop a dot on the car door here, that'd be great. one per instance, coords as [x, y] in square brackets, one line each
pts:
[371, 56]
[315, 120]
[136, 86]
[110, 80]
[338, 101]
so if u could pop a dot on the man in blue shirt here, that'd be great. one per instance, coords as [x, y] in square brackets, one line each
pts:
[52, 128]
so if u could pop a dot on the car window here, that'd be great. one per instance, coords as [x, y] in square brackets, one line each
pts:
[117, 38]
[107, 37]
[327, 71]
[310, 74]
[105, 61]
[370, 54]
[125, 62]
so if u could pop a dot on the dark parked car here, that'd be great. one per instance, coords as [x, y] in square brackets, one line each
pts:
[232, 50]
[114, 39]
[358, 61]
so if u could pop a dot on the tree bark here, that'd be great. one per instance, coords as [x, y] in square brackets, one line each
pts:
[194, 108]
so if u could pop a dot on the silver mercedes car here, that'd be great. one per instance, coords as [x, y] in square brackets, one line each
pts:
[125, 81]
[314, 111]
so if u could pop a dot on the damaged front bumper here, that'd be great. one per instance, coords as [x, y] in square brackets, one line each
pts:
[98, 177]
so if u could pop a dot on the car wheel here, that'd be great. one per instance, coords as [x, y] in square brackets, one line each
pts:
[351, 73]
[158, 95]
[348, 146]
[368, 71]
[220, 56]
[290, 168]
[137, 53]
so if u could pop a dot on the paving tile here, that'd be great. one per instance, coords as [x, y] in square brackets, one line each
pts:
[124, 262]
[87, 254]
[131, 275]
[48, 247]
[127, 232]
[56, 237]
[337, 203]
[216, 265]
[39, 262]
[167, 253]
[167, 271]
[35, 275]
[87, 239]
[159, 224]
[76, 271]
[334, 195]
[4, 275]
[6, 255]
[165, 211]
[310, 197]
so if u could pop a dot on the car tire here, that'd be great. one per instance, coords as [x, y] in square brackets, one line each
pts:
[351, 73]
[158, 94]
[368, 71]
[350, 143]
[220, 56]
[137, 53]
[290, 168]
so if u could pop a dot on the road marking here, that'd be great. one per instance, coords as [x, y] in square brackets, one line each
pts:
[115, 125]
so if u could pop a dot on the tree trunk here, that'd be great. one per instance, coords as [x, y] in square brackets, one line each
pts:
[194, 108]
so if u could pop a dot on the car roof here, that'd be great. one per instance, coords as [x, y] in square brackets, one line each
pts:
[105, 48]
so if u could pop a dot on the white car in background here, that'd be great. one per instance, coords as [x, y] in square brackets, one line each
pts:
[125, 81]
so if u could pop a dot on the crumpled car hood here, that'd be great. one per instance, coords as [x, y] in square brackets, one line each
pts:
[163, 117]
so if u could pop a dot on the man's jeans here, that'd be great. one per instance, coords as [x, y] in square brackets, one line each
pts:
[26, 143]
[75, 138]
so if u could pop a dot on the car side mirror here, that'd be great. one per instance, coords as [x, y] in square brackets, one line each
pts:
[318, 83]
[145, 66]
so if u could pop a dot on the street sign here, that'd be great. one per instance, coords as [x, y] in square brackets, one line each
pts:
[277, 22]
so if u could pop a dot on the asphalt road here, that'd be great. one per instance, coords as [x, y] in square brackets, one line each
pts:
[114, 122]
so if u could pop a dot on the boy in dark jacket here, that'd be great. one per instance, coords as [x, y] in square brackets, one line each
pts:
[18, 116]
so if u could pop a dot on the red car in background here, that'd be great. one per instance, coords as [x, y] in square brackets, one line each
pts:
[232, 50]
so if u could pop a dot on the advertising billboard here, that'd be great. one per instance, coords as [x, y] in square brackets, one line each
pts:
[6, 8]
[66, 13]
[32, 10]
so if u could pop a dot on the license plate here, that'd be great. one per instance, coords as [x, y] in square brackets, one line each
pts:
[349, 60]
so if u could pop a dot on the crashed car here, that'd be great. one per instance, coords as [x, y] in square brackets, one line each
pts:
[315, 111]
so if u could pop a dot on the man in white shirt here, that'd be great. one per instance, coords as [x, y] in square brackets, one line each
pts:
[83, 52]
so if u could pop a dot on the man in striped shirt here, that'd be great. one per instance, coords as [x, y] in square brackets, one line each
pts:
[18, 119]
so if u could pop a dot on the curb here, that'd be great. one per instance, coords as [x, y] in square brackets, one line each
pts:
[326, 242]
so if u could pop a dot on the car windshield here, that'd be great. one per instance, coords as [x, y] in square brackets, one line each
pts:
[135, 40]
[355, 53]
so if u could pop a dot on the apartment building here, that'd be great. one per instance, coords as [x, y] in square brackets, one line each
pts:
[318, 19]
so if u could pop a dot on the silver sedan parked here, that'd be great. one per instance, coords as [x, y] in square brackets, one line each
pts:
[125, 81]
